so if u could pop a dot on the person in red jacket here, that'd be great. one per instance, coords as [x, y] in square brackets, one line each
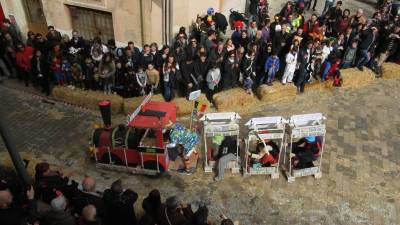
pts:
[310, 28]
[23, 58]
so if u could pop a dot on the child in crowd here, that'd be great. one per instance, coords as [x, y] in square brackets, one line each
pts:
[271, 68]
[77, 76]
[350, 56]
[66, 69]
[248, 85]
[337, 79]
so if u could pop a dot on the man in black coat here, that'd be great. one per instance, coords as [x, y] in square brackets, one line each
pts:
[368, 40]
[201, 67]
[119, 205]
[12, 213]
[88, 196]
[190, 80]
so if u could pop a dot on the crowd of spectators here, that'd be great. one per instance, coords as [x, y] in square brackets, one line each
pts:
[287, 47]
[56, 199]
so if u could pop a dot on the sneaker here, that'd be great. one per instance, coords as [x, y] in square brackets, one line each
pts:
[360, 68]
[270, 84]
[216, 179]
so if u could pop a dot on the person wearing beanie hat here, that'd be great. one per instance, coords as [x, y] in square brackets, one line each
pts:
[58, 213]
[174, 212]
[119, 205]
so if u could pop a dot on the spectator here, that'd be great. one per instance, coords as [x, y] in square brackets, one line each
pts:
[119, 205]
[107, 73]
[152, 203]
[201, 67]
[189, 81]
[349, 56]
[174, 212]
[153, 77]
[230, 74]
[88, 196]
[390, 47]
[59, 214]
[23, 59]
[12, 29]
[291, 61]
[49, 181]
[40, 71]
[53, 36]
[89, 216]
[271, 68]
[213, 80]
[169, 78]
[12, 213]
[368, 39]
[142, 80]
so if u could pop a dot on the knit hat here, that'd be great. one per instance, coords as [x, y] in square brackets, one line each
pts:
[173, 202]
[58, 203]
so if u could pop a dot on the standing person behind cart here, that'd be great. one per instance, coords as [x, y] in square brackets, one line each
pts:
[305, 151]
[227, 153]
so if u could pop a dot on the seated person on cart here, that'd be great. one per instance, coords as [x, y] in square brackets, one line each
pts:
[305, 151]
[267, 154]
[227, 152]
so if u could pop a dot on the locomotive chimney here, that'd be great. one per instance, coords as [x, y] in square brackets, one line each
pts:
[105, 109]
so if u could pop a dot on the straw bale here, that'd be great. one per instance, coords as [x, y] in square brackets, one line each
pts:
[88, 99]
[234, 100]
[355, 79]
[391, 71]
[277, 92]
[319, 86]
[130, 104]
[183, 106]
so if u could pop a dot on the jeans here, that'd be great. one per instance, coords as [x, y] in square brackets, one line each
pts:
[271, 75]
[364, 58]
[107, 87]
[346, 64]
[309, 4]
[4, 69]
[328, 5]
[222, 162]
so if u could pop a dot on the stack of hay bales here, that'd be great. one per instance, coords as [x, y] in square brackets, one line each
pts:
[391, 71]
[130, 104]
[355, 79]
[183, 106]
[87, 99]
[276, 92]
[236, 100]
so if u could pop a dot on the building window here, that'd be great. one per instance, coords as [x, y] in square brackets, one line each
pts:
[92, 23]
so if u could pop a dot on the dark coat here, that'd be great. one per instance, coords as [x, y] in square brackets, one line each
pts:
[176, 217]
[201, 69]
[58, 218]
[188, 73]
[82, 199]
[16, 215]
[120, 207]
[368, 39]
[230, 74]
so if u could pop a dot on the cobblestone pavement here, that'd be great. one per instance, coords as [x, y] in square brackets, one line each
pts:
[360, 182]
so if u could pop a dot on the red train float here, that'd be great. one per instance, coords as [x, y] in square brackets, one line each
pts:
[141, 146]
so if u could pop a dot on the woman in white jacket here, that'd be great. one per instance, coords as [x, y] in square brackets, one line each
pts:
[291, 61]
[213, 79]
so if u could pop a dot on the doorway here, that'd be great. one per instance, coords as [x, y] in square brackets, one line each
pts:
[35, 16]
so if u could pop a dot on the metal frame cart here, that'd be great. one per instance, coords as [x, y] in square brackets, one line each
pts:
[303, 126]
[264, 128]
[226, 124]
